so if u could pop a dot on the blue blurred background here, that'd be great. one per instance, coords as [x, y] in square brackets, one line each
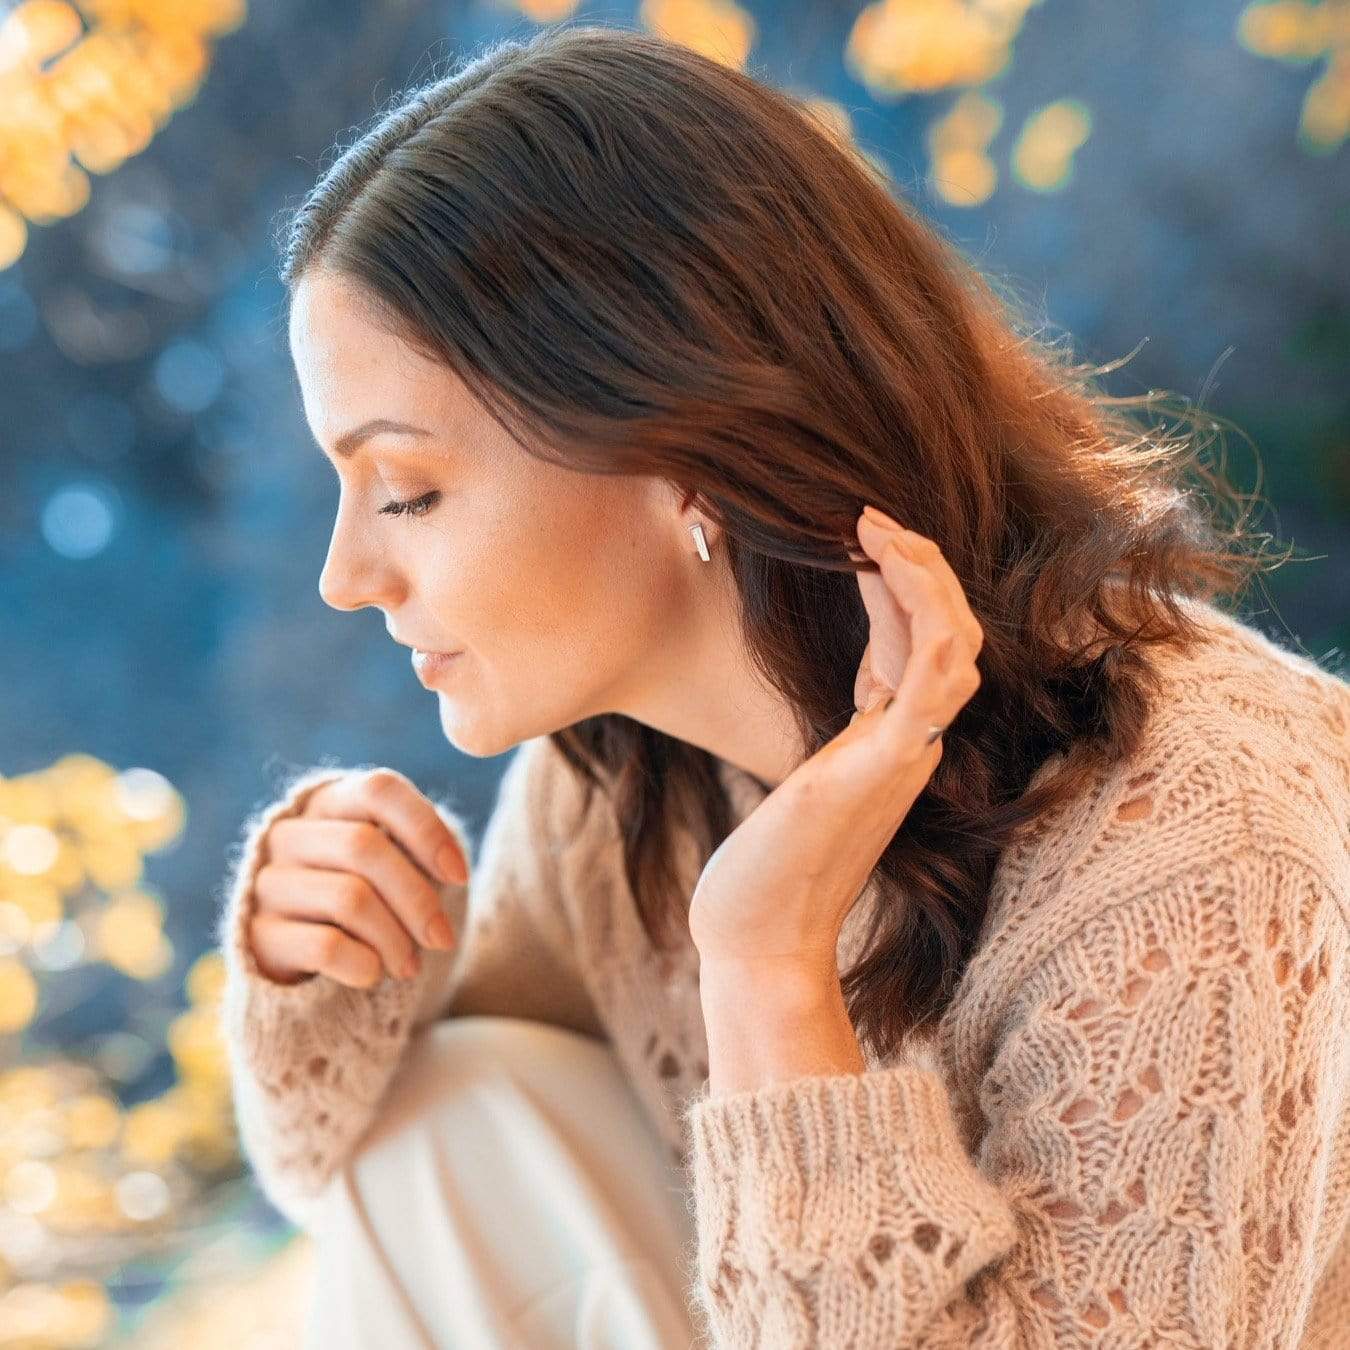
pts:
[1168, 183]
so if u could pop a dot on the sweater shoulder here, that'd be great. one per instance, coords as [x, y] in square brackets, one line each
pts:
[1246, 746]
[541, 791]
[1275, 724]
[1242, 777]
[1246, 683]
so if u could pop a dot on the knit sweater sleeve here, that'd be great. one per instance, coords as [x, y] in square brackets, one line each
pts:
[310, 1062]
[1161, 1106]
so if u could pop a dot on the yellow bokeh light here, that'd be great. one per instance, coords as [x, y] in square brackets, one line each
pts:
[964, 177]
[27, 1087]
[37, 899]
[37, 31]
[195, 1042]
[82, 1198]
[85, 1312]
[153, 1131]
[970, 124]
[29, 850]
[13, 236]
[128, 934]
[92, 1120]
[919, 46]
[1325, 122]
[1288, 29]
[962, 172]
[1042, 158]
[18, 995]
[28, 798]
[205, 980]
[547, 11]
[718, 29]
[1299, 31]
[41, 1316]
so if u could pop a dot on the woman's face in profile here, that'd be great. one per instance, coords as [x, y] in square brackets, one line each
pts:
[562, 591]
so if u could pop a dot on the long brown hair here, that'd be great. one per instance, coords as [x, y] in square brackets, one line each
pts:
[644, 262]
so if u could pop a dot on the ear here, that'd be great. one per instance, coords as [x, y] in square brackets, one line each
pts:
[690, 505]
[689, 509]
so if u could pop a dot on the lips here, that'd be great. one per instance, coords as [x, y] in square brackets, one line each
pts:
[430, 665]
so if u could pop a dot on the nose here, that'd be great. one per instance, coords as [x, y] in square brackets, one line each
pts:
[337, 593]
[353, 579]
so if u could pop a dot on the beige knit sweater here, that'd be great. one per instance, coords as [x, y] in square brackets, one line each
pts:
[1132, 1129]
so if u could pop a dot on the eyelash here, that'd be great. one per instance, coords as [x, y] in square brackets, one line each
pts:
[415, 507]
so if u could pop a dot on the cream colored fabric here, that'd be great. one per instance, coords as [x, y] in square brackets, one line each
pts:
[512, 1196]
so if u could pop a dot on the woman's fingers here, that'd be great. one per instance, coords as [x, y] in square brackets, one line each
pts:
[357, 875]
[888, 629]
[311, 948]
[395, 804]
[920, 594]
[361, 846]
[340, 900]
[941, 676]
[918, 548]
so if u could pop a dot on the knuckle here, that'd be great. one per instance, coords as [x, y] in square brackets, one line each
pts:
[382, 784]
[365, 840]
[328, 943]
[804, 792]
[351, 896]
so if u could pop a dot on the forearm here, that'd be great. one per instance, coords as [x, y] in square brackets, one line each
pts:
[768, 1027]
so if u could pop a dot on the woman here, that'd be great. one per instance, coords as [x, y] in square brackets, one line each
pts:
[965, 905]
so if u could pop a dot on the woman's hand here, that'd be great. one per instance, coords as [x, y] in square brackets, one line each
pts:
[351, 884]
[774, 896]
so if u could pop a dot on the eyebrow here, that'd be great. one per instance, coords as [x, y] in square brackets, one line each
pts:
[345, 445]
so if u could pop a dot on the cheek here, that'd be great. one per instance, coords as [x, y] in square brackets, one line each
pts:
[566, 591]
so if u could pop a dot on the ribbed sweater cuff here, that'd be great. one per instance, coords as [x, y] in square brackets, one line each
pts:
[842, 1173]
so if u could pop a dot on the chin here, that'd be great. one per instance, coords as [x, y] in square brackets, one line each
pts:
[470, 737]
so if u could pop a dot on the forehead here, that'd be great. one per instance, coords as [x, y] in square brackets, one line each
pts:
[351, 370]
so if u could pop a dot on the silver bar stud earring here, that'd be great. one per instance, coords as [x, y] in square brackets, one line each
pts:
[697, 532]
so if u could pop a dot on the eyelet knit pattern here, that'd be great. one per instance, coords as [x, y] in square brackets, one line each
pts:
[1130, 1128]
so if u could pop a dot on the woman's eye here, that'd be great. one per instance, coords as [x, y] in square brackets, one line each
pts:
[416, 506]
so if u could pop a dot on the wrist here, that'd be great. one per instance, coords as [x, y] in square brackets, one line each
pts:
[775, 987]
[772, 1022]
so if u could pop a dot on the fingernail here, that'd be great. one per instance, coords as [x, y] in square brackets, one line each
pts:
[447, 863]
[439, 932]
[880, 518]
